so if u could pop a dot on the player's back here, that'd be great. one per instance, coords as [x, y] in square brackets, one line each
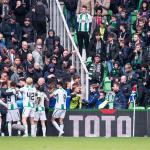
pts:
[40, 98]
[11, 100]
[29, 94]
[61, 96]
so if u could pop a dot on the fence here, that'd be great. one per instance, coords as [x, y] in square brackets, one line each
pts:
[58, 23]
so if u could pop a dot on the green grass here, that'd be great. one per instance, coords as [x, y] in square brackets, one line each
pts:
[66, 143]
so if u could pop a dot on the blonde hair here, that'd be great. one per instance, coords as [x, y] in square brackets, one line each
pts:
[29, 81]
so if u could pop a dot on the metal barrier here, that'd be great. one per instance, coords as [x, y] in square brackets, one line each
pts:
[58, 23]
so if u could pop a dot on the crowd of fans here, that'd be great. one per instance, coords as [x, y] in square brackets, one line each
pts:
[115, 34]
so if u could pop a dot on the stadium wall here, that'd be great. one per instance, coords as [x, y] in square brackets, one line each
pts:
[104, 123]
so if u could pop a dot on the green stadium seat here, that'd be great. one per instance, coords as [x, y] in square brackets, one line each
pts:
[131, 106]
[148, 108]
[110, 13]
[140, 108]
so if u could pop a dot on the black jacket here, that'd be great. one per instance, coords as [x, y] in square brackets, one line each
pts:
[23, 55]
[126, 90]
[113, 51]
[50, 45]
[4, 94]
[9, 28]
[119, 100]
[125, 55]
[20, 13]
[29, 30]
[92, 49]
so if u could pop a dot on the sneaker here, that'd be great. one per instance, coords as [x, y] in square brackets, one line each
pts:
[18, 127]
[2, 134]
[61, 133]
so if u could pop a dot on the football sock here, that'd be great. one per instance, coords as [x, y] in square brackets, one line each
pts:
[19, 132]
[32, 130]
[44, 130]
[0, 126]
[62, 127]
[26, 129]
[35, 130]
[9, 128]
[56, 126]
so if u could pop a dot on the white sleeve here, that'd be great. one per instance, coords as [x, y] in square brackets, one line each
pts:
[19, 95]
[55, 92]
[78, 18]
[90, 18]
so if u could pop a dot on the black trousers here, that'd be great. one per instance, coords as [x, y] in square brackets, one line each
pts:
[40, 27]
[83, 39]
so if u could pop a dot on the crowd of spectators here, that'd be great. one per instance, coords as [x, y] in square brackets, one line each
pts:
[118, 50]
[116, 37]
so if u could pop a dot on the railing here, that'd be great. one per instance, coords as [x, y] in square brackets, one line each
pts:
[58, 23]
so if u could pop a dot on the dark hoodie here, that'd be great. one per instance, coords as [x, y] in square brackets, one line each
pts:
[61, 48]
[50, 71]
[50, 42]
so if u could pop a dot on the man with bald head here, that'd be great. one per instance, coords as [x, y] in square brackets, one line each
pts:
[125, 88]
[41, 83]
[24, 51]
[29, 61]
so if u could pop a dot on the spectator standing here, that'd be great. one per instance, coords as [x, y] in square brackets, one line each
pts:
[97, 19]
[125, 88]
[24, 51]
[12, 32]
[93, 96]
[112, 51]
[71, 6]
[50, 41]
[102, 103]
[18, 74]
[76, 100]
[97, 46]
[28, 31]
[84, 20]
[29, 61]
[4, 9]
[20, 12]
[37, 55]
[119, 99]
[41, 13]
[96, 70]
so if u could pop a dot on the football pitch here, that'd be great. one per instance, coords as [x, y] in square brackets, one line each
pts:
[68, 143]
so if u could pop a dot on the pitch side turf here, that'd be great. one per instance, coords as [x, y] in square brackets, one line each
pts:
[50, 143]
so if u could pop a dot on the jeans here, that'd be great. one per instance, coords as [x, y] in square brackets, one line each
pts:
[71, 18]
[110, 65]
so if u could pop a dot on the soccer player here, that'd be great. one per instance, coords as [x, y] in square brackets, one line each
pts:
[40, 109]
[13, 114]
[29, 95]
[60, 108]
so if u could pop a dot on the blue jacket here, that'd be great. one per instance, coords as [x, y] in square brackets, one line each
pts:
[100, 101]
[93, 98]
[119, 100]
[68, 98]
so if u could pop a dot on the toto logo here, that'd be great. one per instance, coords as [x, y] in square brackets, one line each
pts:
[92, 125]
